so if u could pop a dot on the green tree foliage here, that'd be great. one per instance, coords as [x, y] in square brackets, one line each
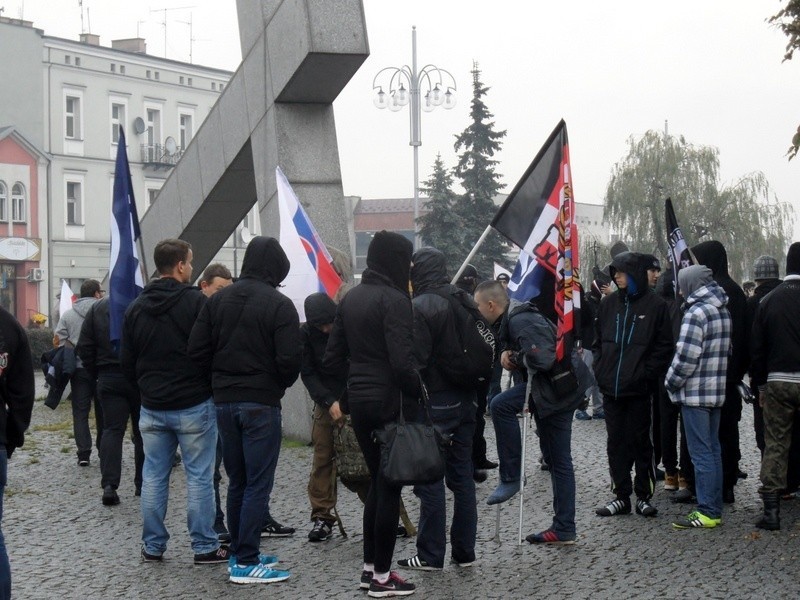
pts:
[441, 227]
[477, 144]
[741, 216]
[788, 21]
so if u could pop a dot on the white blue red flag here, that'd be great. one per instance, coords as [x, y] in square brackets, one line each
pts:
[67, 298]
[311, 270]
[125, 280]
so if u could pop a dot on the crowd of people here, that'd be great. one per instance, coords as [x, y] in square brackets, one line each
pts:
[202, 370]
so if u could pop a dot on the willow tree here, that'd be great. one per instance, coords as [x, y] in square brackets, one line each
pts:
[745, 216]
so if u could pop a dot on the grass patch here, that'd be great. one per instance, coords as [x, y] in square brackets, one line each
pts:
[34, 460]
[66, 449]
[290, 443]
[62, 426]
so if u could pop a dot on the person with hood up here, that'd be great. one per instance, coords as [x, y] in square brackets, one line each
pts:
[633, 345]
[436, 343]
[176, 403]
[82, 383]
[696, 381]
[326, 390]
[373, 330]
[246, 342]
[713, 255]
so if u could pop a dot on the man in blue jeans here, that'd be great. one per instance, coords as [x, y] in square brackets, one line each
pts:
[452, 408]
[16, 393]
[247, 343]
[176, 403]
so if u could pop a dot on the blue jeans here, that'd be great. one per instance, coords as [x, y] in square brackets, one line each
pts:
[595, 397]
[452, 413]
[195, 430]
[219, 517]
[251, 442]
[504, 408]
[555, 439]
[702, 436]
[5, 567]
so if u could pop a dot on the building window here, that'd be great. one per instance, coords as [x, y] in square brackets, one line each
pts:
[72, 120]
[158, 75]
[3, 202]
[153, 126]
[190, 82]
[113, 68]
[67, 59]
[180, 79]
[74, 203]
[151, 197]
[77, 61]
[18, 210]
[147, 73]
[221, 86]
[186, 132]
[122, 69]
[214, 86]
[117, 120]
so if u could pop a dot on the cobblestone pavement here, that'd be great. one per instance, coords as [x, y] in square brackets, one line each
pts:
[64, 544]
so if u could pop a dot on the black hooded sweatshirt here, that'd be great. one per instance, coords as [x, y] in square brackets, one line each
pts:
[436, 339]
[712, 254]
[373, 329]
[153, 353]
[246, 340]
[633, 343]
[325, 388]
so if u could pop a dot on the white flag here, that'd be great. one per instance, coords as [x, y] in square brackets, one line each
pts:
[498, 269]
[67, 298]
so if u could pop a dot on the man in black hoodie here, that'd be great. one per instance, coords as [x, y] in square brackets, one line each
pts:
[712, 254]
[634, 346]
[325, 390]
[247, 344]
[436, 343]
[176, 403]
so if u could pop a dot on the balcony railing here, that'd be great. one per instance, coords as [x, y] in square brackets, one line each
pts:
[157, 155]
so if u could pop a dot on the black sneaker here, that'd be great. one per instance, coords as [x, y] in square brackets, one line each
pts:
[415, 562]
[394, 586]
[486, 464]
[275, 529]
[321, 531]
[147, 557]
[644, 508]
[684, 496]
[479, 475]
[110, 496]
[215, 557]
[83, 462]
[366, 579]
[618, 506]
[401, 531]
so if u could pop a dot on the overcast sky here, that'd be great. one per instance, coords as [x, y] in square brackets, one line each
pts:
[712, 69]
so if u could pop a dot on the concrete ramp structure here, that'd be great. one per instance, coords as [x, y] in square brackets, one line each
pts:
[276, 111]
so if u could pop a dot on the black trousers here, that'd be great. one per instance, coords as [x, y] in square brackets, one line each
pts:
[668, 433]
[628, 422]
[729, 436]
[478, 440]
[120, 401]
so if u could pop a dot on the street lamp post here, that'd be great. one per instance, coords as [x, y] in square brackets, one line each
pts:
[437, 92]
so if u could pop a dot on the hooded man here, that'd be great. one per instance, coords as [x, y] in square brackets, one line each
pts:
[633, 346]
[82, 382]
[712, 254]
[776, 372]
[246, 342]
[696, 381]
[176, 403]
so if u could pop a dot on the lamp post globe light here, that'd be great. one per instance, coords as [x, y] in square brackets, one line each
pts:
[421, 90]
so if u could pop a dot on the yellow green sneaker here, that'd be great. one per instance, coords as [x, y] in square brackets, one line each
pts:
[696, 519]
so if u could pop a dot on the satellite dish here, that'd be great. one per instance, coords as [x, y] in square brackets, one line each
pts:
[138, 125]
[170, 146]
[245, 235]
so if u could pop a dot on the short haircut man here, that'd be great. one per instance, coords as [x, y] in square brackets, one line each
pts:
[215, 277]
[90, 289]
[169, 253]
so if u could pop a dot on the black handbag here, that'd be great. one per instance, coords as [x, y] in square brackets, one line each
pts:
[411, 453]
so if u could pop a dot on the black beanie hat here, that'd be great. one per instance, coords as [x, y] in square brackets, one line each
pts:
[793, 259]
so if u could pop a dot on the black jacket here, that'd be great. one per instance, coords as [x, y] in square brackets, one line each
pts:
[712, 254]
[761, 291]
[94, 346]
[246, 341]
[776, 333]
[373, 329]
[153, 353]
[436, 340]
[325, 388]
[16, 382]
[633, 343]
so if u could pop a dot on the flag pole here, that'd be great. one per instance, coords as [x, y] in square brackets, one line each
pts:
[472, 253]
[143, 260]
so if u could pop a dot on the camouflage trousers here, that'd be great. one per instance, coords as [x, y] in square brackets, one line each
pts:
[781, 403]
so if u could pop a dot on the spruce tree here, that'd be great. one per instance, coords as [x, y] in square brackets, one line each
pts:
[441, 227]
[477, 144]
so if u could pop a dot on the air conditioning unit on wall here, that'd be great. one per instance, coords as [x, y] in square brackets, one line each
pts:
[36, 275]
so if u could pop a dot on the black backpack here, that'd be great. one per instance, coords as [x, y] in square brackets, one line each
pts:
[471, 365]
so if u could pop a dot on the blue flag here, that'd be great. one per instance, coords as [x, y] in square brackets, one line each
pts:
[125, 273]
[526, 280]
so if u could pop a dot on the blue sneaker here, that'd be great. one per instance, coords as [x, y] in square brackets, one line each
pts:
[503, 492]
[256, 574]
[266, 560]
[582, 415]
[599, 414]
